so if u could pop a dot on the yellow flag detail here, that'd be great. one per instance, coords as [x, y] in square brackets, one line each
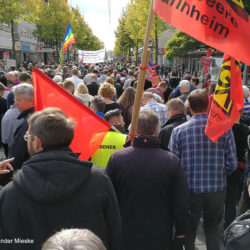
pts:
[239, 2]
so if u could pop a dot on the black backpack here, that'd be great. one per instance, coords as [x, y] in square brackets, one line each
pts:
[237, 235]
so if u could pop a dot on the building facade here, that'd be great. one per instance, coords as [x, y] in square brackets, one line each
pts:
[29, 48]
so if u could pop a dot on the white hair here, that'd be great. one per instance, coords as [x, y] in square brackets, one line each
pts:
[184, 84]
[57, 78]
[24, 89]
[158, 98]
[11, 73]
[74, 239]
[246, 91]
[148, 95]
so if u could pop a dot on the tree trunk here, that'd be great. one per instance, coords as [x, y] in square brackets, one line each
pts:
[137, 52]
[129, 53]
[156, 43]
[68, 55]
[13, 39]
[57, 52]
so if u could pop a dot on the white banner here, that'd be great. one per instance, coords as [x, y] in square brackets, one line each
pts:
[91, 56]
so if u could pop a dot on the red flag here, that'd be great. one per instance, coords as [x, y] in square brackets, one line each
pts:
[90, 128]
[222, 24]
[228, 100]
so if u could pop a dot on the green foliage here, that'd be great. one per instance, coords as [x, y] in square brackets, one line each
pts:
[53, 20]
[85, 39]
[247, 5]
[132, 26]
[12, 10]
[180, 44]
[123, 40]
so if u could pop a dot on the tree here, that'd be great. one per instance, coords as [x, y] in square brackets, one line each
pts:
[140, 10]
[123, 42]
[85, 39]
[53, 19]
[134, 21]
[133, 27]
[12, 10]
[180, 44]
[159, 26]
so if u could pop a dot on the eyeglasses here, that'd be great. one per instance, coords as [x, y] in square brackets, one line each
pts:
[27, 136]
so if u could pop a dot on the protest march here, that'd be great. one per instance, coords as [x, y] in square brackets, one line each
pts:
[122, 151]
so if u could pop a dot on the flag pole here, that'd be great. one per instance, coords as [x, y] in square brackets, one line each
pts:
[142, 75]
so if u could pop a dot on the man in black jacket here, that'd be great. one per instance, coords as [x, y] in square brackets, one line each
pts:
[236, 179]
[56, 190]
[93, 86]
[176, 115]
[151, 190]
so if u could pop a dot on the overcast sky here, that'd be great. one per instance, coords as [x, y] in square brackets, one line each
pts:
[96, 14]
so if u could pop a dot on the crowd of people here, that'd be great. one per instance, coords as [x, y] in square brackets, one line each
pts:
[148, 194]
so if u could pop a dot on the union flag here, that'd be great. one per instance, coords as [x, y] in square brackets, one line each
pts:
[228, 100]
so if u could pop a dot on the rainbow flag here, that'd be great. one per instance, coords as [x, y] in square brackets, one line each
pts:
[68, 40]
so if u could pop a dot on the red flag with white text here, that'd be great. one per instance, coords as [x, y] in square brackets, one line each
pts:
[228, 100]
[90, 128]
[221, 24]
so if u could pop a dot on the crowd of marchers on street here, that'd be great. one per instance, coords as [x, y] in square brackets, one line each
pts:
[150, 193]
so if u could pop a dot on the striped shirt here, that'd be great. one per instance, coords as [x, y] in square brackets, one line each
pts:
[246, 105]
